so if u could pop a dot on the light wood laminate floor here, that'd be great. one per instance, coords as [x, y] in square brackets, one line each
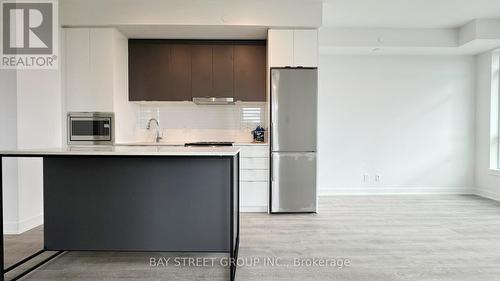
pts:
[402, 238]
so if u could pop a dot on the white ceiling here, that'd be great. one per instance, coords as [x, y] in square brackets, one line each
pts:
[407, 13]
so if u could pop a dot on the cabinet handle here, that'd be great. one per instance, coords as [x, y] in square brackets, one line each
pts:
[271, 167]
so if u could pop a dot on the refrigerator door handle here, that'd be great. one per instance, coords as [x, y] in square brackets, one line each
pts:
[275, 76]
[271, 167]
[274, 137]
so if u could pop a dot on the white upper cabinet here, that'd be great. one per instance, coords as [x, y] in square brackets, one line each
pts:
[280, 45]
[88, 69]
[77, 66]
[293, 48]
[305, 48]
[101, 68]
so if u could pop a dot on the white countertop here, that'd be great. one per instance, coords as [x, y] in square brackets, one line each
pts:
[129, 151]
[181, 143]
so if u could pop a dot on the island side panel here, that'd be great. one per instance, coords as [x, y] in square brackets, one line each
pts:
[2, 250]
[137, 203]
[235, 219]
[236, 200]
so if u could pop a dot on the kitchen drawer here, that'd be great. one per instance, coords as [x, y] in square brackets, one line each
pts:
[254, 163]
[254, 175]
[254, 194]
[254, 151]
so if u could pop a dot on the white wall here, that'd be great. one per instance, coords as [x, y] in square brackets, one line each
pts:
[8, 140]
[39, 108]
[8, 112]
[39, 113]
[487, 181]
[30, 117]
[409, 119]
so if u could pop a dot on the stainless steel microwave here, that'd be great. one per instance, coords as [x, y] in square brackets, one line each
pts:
[91, 128]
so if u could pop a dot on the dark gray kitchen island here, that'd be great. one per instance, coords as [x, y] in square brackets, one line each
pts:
[147, 199]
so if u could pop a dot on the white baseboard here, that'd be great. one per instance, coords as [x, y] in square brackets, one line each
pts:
[22, 226]
[253, 209]
[394, 190]
[10, 227]
[488, 194]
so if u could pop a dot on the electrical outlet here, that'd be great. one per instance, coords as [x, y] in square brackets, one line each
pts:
[377, 178]
[366, 178]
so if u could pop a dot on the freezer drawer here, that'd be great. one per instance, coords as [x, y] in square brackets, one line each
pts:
[294, 109]
[293, 182]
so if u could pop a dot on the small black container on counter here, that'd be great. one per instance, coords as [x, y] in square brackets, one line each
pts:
[259, 134]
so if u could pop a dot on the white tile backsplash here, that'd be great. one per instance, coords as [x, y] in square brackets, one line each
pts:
[186, 121]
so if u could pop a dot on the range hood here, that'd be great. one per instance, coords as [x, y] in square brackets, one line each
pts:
[213, 101]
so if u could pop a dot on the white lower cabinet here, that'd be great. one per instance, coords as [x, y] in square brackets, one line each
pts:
[254, 163]
[254, 196]
[254, 151]
[253, 175]
[254, 178]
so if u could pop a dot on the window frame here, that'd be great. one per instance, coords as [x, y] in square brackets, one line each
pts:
[494, 165]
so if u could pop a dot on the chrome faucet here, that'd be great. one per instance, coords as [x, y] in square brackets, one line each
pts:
[158, 137]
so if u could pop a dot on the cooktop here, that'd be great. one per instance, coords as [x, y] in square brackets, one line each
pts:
[209, 143]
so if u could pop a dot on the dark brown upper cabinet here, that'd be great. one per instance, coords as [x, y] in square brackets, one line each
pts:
[178, 70]
[223, 67]
[201, 70]
[179, 73]
[159, 71]
[212, 70]
[148, 65]
[250, 72]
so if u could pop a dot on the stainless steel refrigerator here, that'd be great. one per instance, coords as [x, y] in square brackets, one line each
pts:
[293, 140]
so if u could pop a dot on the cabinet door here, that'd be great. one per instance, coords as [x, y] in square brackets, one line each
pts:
[201, 71]
[250, 72]
[89, 69]
[254, 194]
[305, 50]
[148, 62]
[101, 69]
[280, 48]
[223, 70]
[77, 67]
[179, 73]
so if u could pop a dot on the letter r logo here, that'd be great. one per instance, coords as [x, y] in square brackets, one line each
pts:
[27, 28]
